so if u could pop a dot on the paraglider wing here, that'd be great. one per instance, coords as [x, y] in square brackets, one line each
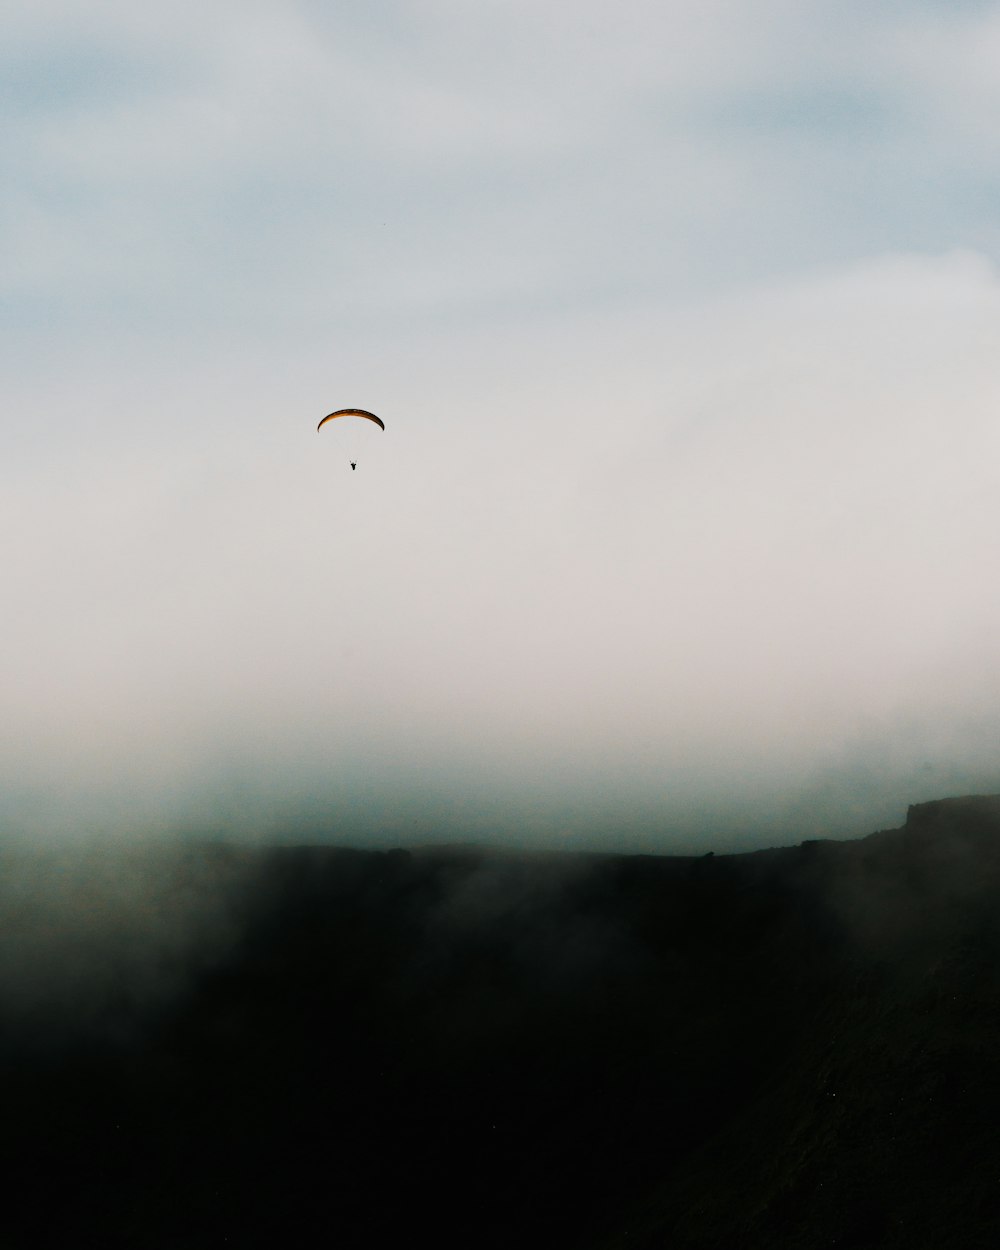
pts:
[352, 412]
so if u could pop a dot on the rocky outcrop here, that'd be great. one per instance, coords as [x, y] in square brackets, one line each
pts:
[950, 828]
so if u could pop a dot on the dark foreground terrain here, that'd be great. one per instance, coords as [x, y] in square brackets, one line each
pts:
[315, 1047]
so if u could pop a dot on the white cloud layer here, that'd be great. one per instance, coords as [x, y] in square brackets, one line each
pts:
[682, 320]
[445, 155]
[664, 557]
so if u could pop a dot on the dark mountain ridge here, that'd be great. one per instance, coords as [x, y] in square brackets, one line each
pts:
[797, 1047]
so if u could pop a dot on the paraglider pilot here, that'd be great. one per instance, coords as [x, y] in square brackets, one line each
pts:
[352, 412]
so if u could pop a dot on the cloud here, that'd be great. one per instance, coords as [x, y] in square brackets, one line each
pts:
[276, 164]
[625, 565]
[681, 319]
[101, 940]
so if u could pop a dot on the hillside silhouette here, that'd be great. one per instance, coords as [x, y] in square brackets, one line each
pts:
[800, 1047]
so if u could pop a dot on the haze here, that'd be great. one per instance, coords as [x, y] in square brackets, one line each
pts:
[683, 322]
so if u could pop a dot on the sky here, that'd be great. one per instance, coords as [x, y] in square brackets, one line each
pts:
[683, 322]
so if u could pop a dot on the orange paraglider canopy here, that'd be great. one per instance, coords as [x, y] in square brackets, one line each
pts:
[352, 412]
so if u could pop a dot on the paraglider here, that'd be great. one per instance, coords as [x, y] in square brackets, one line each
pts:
[352, 412]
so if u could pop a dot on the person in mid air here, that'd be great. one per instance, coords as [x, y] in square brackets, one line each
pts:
[354, 465]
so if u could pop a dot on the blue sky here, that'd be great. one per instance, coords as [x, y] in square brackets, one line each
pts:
[683, 323]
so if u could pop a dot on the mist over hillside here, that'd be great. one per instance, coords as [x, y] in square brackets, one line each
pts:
[211, 1044]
